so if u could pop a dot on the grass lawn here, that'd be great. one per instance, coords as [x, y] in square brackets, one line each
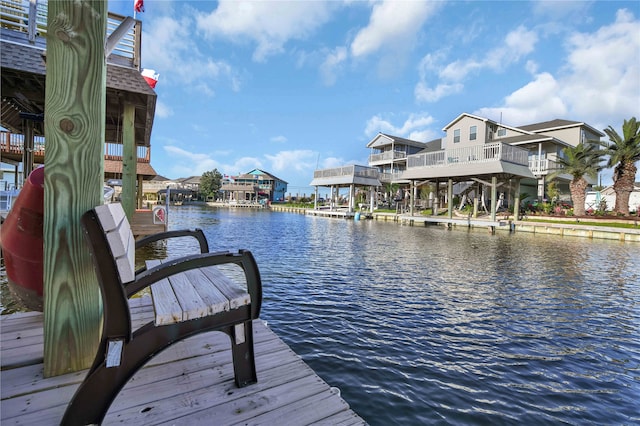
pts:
[630, 225]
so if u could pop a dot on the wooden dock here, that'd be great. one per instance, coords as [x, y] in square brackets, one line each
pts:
[339, 213]
[468, 222]
[189, 383]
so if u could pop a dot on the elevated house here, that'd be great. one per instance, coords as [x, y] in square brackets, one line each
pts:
[254, 186]
[475, 150]
[22, 60]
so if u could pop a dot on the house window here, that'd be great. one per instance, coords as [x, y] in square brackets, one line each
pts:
[473, 131]
[456, 136]
[502, 132]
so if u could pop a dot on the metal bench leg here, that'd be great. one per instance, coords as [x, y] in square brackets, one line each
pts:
[244, 364]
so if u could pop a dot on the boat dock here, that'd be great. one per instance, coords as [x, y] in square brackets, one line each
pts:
[189, 383]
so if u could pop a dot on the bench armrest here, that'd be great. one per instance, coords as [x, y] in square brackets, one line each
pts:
[170, 267]
[197, 233]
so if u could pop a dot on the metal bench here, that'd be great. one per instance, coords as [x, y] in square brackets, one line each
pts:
[190, 295]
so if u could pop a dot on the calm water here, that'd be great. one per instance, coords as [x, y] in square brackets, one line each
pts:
[427, 326]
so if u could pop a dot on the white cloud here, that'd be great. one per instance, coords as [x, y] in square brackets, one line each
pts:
[278, 139]
[392, 24]
[516, 44]
[163, 110]
[171, 50]
[186, 163]
[415, 127]
[537, 101]
[301, 160]
[601, 80]
[598, 84]
[269, 24]
[332, 64]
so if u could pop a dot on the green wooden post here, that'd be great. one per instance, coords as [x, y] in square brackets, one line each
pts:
[74, 170]
[129, 160]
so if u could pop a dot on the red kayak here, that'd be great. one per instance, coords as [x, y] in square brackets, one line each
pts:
[22, 243]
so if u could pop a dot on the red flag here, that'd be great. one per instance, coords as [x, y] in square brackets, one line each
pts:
[138, 5]
[151, 77]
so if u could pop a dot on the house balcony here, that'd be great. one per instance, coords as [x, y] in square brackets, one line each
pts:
[541, 166]
[12, 149]
[471, 161]
[386, 157]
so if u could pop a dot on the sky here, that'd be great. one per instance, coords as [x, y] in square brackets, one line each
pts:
[294, 86]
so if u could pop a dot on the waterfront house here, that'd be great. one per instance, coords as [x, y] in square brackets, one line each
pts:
[253, 186]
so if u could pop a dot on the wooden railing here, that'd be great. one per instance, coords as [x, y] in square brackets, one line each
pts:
[13, 143]
[30, 18]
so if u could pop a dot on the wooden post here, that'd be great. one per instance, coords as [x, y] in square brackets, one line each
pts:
[27, 148]
[74, 171]
[413, 192]
[140, 191]
[129, 160]
[494, 196]
[450, 198]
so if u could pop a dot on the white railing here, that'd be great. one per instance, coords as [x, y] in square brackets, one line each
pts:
[17, 15]
[360, 171]
[387, 156]
[483, 153]
[542, 166]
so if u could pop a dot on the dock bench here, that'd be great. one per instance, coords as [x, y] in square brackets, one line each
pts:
[190, 296]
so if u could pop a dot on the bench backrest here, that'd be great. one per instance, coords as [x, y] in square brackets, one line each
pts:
[120, 239]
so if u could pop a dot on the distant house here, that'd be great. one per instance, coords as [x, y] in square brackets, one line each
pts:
[256, 185]
[608, 195]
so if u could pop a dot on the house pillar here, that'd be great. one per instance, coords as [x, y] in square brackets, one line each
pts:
[351, 198]
[450, 198]
[372, 195]
[540, 188]
[436, 200]
[476, 200]
[494, 196]
[516, 201]
[315, 200]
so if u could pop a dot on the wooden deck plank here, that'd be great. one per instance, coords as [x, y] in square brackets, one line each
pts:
[189, 383]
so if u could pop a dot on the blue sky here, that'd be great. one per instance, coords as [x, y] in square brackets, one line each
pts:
[289, 87]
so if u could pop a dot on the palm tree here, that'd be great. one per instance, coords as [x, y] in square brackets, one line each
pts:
[623, 153]
[579, 161]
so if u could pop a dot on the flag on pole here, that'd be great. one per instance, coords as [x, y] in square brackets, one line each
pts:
[151, 77]
[138, 5]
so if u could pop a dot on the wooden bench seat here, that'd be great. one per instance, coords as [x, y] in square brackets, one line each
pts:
[190, 295]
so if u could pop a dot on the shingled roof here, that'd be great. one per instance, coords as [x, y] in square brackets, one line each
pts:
[23, 73]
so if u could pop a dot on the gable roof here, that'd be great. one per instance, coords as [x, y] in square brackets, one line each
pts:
[382, 139]
[252, 175]
[558, 124]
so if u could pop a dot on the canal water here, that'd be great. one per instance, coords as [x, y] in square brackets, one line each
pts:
[421, 325]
